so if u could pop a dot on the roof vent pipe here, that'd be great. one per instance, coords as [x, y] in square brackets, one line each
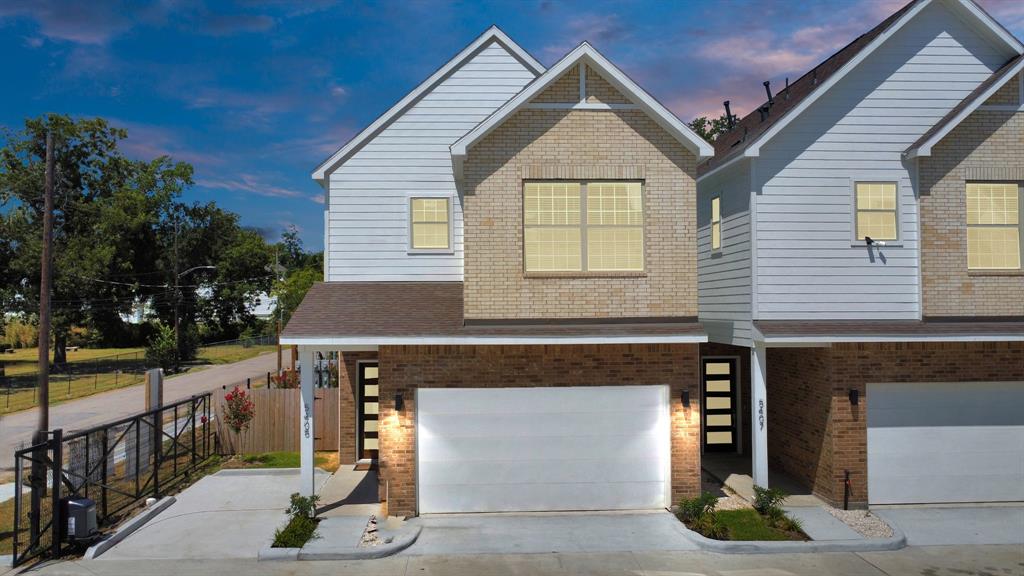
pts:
[787, 88]
[814, 77]
[729, 118]
[768, 91]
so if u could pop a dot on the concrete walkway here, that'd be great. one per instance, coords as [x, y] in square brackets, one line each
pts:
[16, 429]
[942, 525]
[449, 534]
[734, 470]
[230, 514]
[350, 493]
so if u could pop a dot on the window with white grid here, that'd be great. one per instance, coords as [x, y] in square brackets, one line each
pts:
[429, 222]
[993, 226]
[876, 210]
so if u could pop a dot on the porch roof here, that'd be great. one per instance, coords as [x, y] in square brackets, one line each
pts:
[945, 330]
[397, 313]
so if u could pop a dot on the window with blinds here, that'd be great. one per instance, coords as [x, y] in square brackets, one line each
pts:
[429, 223]
[876, 210]
[583, 227]
[993, 226]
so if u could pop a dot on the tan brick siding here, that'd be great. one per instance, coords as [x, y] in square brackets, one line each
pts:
[348, 379]
[595, 144]
[565, 89]
[600, 91]
[989, 140]
[403, 369]
[815, 433]
[1008, 94]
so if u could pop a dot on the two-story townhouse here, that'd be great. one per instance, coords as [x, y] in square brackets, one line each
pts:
[511, 285]
[860, 269]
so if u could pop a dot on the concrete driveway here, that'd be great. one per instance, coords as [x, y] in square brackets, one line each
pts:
[230, 514]
[548, 532]
[957, 525]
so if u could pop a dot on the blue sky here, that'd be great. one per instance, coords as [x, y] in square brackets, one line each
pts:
[255, 93]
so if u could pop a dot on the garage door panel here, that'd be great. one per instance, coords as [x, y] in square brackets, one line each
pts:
[527, 449]
[526, 424]
[546, 400]
[539, 497]
[945, 442]
[637, 469]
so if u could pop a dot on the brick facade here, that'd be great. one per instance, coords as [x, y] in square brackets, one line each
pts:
[815, 433]
[988, 145]
[403, 369]
[578, 144]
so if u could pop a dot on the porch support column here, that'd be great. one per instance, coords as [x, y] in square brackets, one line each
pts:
[759, 414]
[306, 424]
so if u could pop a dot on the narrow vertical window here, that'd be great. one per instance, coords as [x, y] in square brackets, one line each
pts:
[993, 226]
[716, 223]
[429, 223]
[876, 210]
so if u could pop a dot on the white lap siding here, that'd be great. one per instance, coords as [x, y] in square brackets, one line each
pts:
[808, 265]
[368, 217]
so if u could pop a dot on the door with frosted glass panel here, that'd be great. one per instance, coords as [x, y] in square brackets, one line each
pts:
[368, 411]
[719, 405]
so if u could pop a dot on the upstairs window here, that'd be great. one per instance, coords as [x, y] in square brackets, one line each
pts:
[876, 210]
[429, 223]
[716, 223]
[583, 227]
[993, 226]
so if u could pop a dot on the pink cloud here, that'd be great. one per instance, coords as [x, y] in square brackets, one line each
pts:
[147, 142]
[253, 184]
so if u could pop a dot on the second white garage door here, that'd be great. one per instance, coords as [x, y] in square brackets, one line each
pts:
[945, 442]
[535, 449]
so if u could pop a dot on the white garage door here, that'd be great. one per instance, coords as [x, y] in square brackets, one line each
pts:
[945, 442]
[530, 449]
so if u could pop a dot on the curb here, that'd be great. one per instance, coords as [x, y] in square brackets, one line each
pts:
[897, 541]
[400, 543]
[128, 527]
[268, 554]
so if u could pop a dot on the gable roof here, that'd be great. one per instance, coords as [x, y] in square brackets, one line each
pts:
[492, 34]
[751, 132]
[984, 91]
[586, 54]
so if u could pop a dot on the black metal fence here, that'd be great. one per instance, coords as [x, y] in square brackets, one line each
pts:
[116, 465]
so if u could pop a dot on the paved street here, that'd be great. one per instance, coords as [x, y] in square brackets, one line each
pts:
[16, 429]
[917, 561]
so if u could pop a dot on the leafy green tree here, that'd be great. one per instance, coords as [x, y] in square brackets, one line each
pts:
[710, 129]
[106, 208]
[292, 290]
[161, 348]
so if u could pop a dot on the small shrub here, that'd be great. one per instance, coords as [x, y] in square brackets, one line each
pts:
[765, 499]
[301, 528]
[160, 350]
[693, 509]
[789, 524]
[238, 409]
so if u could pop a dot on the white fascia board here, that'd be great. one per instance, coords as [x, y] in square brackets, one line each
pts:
[993, 26]
[492, 34]
[721, 167]
[375, 341]
[587, 54]
[925, 149]
[754, 149]
[796, 341]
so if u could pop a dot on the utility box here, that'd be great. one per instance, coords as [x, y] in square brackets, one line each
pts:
[80, 515]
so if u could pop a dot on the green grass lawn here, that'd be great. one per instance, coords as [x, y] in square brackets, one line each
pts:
[326, 460]
[229, 353]
[749, 525]
[23, 360]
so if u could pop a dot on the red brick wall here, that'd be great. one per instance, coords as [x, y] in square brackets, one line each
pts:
[815, 433]
[799, 404]
[348, 379]
[405, 368]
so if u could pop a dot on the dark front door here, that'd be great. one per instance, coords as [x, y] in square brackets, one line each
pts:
[719, 405]
[369, 408]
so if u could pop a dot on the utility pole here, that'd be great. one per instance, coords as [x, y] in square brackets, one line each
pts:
[280, 313]
[177, 295]
[46, 273]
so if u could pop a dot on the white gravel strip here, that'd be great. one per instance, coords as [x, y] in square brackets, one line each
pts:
[863, 522]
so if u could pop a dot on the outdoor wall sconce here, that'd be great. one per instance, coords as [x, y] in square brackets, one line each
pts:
[854, 397]
[399, 402]
[686, 397]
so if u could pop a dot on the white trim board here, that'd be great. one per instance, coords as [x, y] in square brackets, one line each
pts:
[492, 34]
[797, 341]
[372, 342]
[925, 148]
[589, 56]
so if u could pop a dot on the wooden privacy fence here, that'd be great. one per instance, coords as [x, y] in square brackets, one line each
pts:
[275, 425]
